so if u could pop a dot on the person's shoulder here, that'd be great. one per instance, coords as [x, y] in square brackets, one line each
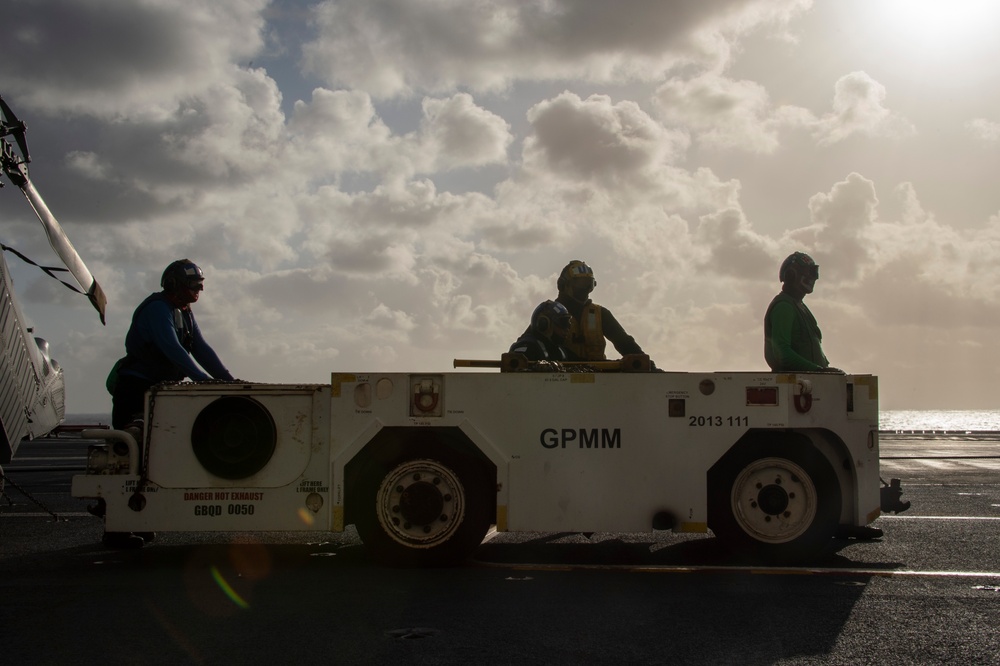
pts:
[525, 343]
[781, 298]
[781, 308]
[153, 308]
[154, 302]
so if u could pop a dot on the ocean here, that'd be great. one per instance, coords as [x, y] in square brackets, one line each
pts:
[959, 421]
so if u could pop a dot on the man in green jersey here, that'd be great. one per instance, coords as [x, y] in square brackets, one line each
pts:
[792, 339]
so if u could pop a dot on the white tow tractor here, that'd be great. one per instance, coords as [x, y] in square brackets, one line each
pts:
[424, 463]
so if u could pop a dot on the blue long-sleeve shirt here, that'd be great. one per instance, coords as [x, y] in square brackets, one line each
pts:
[158, 342]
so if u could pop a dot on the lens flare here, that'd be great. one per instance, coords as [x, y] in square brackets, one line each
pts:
[227, 589]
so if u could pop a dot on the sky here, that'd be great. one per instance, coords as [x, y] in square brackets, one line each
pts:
[388, 185]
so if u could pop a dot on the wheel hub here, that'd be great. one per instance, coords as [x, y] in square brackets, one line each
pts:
[774, 500]
[420, 503]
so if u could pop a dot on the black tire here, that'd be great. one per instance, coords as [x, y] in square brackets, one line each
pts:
[428, 507]
[776, 502]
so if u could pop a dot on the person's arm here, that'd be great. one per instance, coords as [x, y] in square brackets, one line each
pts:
[615, 332]
[783, 316]
[206, 356]
[531, 349]
[159, 320]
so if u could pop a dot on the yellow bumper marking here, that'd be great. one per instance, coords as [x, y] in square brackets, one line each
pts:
[872, 515]
[871, 381]
[336, 380]
[338, 519]
[693, 527]
[582, 378]
[501, 518]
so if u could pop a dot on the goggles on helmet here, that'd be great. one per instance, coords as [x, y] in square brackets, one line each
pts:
[801, 264]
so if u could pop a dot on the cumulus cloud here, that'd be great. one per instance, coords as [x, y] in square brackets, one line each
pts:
[726, 113]
[410, 195]
[840, 217]
[464, 134]
[983, 129]
[733, 247]
[117, 58]
[859, 108]
[598, 140]
[397, 47]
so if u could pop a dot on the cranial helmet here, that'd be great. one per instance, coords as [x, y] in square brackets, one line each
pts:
[181, 273]
[576, 272]
[798, 265]
[551, 320]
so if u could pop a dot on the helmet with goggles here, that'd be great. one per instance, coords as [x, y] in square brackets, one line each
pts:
[576, 278]
[551, 320]
[182, 273]
[796, 266]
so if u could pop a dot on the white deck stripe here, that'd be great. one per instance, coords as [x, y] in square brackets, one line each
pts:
[772, 571]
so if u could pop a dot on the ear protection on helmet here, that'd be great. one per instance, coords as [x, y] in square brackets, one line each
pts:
[181, 273]
[549, 316]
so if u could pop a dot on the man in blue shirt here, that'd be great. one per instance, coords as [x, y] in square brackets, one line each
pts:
[164, 343]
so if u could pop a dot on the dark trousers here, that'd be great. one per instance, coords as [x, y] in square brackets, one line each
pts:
[129, 400]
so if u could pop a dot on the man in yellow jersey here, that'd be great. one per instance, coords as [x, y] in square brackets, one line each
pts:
[592, 323]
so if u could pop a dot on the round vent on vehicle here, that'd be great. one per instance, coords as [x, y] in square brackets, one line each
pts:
[234, 437]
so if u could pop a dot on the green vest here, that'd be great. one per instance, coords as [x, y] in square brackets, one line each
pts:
[792, 339]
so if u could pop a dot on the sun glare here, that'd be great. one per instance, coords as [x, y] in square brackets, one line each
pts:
[939, 24]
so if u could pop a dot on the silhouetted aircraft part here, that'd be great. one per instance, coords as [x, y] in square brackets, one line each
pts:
[16, 168]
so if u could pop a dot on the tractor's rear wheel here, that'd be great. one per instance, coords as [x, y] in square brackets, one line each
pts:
[428, 507]
[778, 502]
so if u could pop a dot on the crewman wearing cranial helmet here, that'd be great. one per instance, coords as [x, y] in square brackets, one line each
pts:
[592, 324]
[543, 341]
[164, 343]
[792, 339]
